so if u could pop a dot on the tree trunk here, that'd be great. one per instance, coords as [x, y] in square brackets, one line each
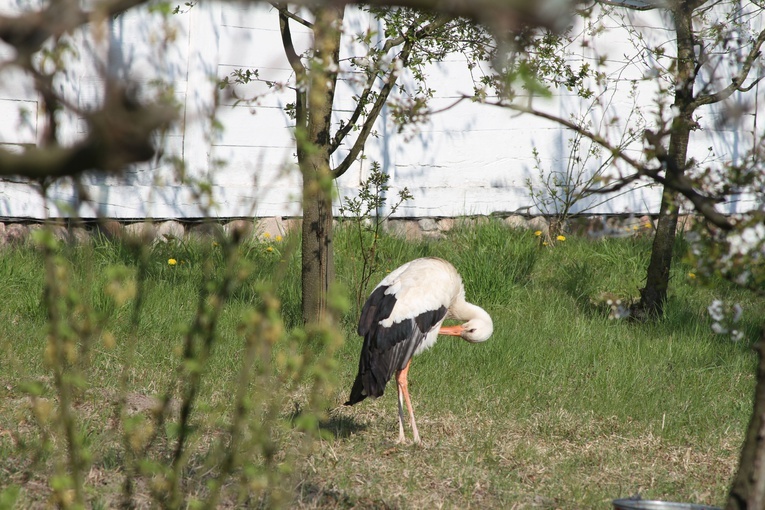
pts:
[317, 262]
[654, 294]
[747, 491]
[314, 152]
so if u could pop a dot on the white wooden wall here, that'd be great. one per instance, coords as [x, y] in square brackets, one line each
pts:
[471, 159]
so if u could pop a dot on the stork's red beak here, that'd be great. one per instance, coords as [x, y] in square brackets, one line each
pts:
[451, 330]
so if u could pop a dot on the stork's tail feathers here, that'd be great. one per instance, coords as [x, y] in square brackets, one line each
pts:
[357, 392]
[370, 382]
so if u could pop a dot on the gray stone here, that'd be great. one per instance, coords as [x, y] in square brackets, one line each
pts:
[445, 224]
[78, 235]
[292, 225]
[428, 225]
[239, 229]
[539, 223]
[60, 233]
[269, 228]
[406, 229]
[111, 229]
[143, 231]
[170, 229]
[516, 221]
[433, 234]
[471, 221]
[685, 222]
[16, 234]
[206, 231]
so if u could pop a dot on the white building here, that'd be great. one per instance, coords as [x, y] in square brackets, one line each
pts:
[470, 159]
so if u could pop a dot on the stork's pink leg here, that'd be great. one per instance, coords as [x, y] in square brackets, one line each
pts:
[403, 389]
[400, 414]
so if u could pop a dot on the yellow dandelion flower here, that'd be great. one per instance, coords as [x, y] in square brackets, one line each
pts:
[270, 249]
[692, 276]
[634, 227]
[538, 233]
[278, 238]
[171, 262]
[266, 235]
[648, 225]
[561, 238]
[544, 243]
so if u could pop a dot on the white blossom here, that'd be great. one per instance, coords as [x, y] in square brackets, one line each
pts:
[747, 240]
[737, 312]
[716, 310]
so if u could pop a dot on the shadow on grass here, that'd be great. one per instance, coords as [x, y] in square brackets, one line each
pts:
[579, 282]
[338, 425]
[315, 496]
[342, 426]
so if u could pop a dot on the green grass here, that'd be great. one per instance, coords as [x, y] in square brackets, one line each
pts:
[561, 408]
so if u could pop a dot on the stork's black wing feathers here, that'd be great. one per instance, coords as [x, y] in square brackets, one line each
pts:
[378, 305]
[387, 349]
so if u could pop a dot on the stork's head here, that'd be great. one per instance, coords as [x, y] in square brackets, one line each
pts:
[478, 329]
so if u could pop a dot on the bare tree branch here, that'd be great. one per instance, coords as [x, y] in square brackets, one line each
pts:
[737, 83]
[385, 91]
[704, 204]
[291, 15]
[119, 134]
[502, 16]
[361, 102]
[289, 47]
[28, 32]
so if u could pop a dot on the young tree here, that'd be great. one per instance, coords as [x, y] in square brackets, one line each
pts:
[705, 34]
[711, 37]
[717, 53]
[391, 72]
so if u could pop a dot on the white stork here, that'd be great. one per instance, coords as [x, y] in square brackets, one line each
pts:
[402, 317]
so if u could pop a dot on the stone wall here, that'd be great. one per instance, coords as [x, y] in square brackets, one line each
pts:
[16, 233]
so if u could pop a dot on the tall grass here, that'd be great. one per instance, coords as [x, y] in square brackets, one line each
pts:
[562, 407]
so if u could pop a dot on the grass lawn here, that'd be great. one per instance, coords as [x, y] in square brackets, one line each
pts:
[561, 408]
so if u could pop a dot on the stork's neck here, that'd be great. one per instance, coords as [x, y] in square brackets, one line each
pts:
[464, 311]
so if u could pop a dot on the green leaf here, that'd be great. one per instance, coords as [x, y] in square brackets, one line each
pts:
[9, 495]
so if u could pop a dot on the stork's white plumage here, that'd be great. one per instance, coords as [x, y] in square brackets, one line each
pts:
[403, 317]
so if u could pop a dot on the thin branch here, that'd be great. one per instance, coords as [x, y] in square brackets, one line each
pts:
[502, 16]
[361, 102]
[291, 15]
[29, 31]
[680, 183]
[382, 97]
[289, 47]
[737, 83]
[752, 85]
[119, 134]
[301, 109]
[450, 106]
